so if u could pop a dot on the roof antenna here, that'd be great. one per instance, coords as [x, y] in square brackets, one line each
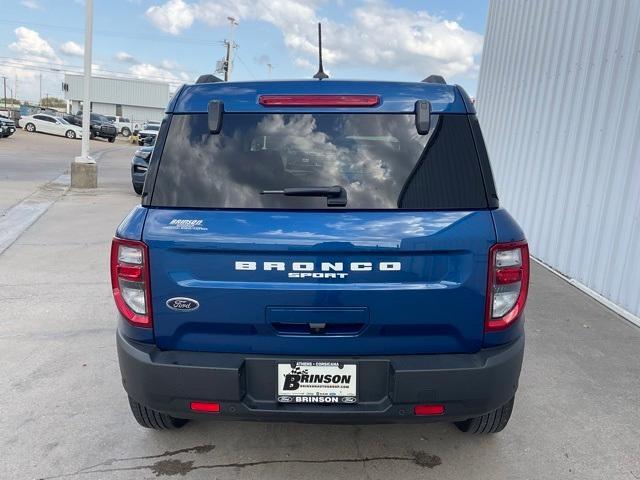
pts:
[320, 75]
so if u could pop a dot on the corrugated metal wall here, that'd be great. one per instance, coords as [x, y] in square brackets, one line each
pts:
[142, 114]
[559, 103]
[119, 91]
[103, 108]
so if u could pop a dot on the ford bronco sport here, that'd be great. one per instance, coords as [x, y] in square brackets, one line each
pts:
[320, 251]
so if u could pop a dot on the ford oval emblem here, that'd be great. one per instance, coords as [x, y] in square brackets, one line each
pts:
[182, 304]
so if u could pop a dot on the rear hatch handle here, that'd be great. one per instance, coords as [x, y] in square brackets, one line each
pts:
[336, 195]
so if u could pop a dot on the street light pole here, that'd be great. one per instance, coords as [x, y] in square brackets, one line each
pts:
[86, 100]
[84, 171]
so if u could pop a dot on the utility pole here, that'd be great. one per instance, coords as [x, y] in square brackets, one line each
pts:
[40, 95]
[269, 66]
[4, 81]
[231, 45]
[84, 171]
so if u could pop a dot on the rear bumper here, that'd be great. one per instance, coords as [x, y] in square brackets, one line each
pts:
[468, 385]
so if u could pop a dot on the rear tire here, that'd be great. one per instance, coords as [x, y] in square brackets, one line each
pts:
[137, 188]
[70, 134]
[112, 139]
[149, 418]
[126, 132]
[30, 127]
[492, 422]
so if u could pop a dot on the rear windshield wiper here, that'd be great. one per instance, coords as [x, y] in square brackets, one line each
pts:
[336, 195]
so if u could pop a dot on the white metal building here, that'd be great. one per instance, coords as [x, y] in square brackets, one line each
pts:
[559, 103]
[138, 100]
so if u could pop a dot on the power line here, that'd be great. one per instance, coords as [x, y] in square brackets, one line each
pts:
[117, 74]
[111, 33]
[245, 66]
[71, 66]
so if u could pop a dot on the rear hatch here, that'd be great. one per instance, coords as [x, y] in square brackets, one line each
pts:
[401, 268]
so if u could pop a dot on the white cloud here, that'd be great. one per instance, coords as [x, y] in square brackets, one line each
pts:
[32, 53]
[304, 63]
[374, 34]
[30, 43]
[168, 64]
[155, 73]
[172, 17]
[125, 57]
[72, 49]
[31, 4]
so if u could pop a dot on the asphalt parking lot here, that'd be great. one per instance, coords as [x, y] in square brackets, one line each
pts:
[65, 414]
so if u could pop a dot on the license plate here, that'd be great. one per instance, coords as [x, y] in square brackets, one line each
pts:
[317, 382]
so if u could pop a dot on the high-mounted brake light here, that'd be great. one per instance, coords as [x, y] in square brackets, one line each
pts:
[507, 285]
[130, 281]
[319, 100]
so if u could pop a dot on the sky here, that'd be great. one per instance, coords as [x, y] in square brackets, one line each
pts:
[178, 40]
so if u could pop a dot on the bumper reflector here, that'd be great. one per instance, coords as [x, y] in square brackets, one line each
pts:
[205, 407]
[428, 410]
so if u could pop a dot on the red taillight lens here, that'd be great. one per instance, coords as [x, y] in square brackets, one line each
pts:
[205, 407]
[130, 281]
[319, 100]
[428, 410]
[507, 285]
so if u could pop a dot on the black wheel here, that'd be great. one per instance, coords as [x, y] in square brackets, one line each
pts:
[92, 135]
[126, 132]
[492, 422]
[137, 188]
[150, 418]
[30, 127]
[70, 134]
[112, 139]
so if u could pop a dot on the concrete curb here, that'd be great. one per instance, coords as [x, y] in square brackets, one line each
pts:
[17, 219]
[21, 216]
[630, 317]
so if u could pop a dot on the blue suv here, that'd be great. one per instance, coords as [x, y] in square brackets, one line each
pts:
[320, 251]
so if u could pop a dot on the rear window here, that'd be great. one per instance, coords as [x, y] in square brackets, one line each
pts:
[378, 159]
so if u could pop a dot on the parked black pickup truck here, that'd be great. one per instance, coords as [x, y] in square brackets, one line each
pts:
[100, 125]
[7, 126]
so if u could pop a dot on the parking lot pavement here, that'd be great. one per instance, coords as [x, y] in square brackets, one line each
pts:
[65, 414]
[29, 160]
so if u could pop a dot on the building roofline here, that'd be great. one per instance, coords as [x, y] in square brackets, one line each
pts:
[138, 80]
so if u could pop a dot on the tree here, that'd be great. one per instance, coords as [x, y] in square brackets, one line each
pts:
[53, 102]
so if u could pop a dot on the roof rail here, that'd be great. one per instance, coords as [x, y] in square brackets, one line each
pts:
[208, 78]
[435, 79]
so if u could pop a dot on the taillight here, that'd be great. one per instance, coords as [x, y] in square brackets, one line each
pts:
[130, 281]
[507, 285]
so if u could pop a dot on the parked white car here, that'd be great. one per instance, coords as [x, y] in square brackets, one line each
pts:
[44, 123]
[124, 125]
